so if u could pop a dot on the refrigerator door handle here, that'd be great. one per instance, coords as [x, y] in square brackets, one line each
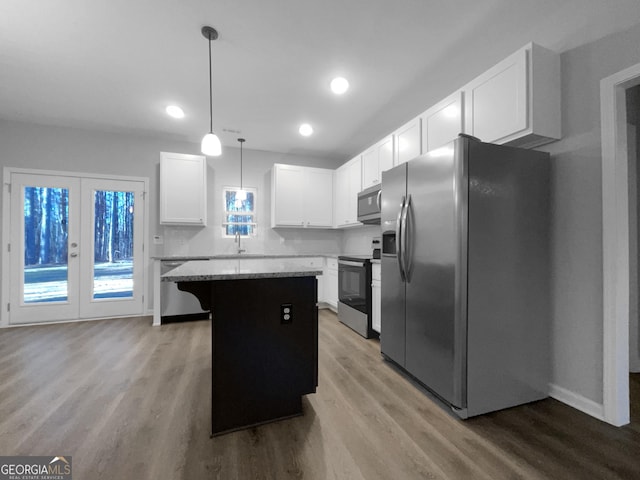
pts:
[407, 243]
[399, 240]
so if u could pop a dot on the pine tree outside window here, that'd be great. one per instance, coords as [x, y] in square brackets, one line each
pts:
[239, 215]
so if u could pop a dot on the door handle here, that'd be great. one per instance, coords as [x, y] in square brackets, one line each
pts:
[74, 254]
[399, 241]
[407, 247]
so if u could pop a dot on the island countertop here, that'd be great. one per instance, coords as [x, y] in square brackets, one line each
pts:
[237, 269]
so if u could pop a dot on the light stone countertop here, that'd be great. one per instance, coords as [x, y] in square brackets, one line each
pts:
[223, 256]
[236, 269]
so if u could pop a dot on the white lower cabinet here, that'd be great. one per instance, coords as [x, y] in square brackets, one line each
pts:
[376, 305]
[331, 282]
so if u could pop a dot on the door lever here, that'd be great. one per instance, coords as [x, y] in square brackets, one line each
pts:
[74, 254]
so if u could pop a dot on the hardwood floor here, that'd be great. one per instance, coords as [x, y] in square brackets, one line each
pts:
[131, 401]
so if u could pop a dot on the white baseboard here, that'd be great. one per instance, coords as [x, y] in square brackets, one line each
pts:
[577, 401]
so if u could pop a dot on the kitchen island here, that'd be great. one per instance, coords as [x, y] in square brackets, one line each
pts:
[264, 336]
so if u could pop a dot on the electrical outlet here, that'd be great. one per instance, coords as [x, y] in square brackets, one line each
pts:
[286, 313]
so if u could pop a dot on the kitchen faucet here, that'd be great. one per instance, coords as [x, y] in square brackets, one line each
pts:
[237, 240]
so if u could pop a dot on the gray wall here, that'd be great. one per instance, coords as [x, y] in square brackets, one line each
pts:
[577, 213]
[27, 145]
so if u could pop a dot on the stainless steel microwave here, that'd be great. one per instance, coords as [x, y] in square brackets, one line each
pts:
[369, 205]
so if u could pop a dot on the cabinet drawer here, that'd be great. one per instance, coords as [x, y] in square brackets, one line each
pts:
[311, 262]
[332, 263]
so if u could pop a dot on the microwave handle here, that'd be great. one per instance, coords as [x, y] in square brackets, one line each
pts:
[379, 199]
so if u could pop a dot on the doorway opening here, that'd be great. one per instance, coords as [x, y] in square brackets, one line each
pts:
[619, 240]
[75, 246]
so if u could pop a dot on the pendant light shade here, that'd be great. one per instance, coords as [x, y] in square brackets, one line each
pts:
[211, 145]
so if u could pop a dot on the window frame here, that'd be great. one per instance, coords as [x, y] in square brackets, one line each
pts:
[226, 213]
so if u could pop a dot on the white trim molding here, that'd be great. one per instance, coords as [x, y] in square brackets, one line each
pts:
[615, 244]
[577, 401]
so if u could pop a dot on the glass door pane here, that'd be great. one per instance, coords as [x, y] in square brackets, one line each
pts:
[113, 244]
[46, 217]
[112, 267]
[44, 248]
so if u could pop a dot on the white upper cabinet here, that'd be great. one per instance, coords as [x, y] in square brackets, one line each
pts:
[376, 160]
[443, 122]
[517, 101]
[301, 196]
[183, 189]
[348, 185]
[318, 197]
[407, 141]
[286, 196]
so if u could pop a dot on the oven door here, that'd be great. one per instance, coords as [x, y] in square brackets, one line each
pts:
[352, 284]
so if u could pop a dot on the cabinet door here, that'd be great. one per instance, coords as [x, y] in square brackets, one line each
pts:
[496, 101]
[407, 141]
[348, 185]
[286, 196]
[183, 189]
[376, 160]
[370, 167]
[355, 186]
[318, 197]
[385, 154]
[331, 287]
[341, 195]
[376, 299]
[376, 307]
[442, 123]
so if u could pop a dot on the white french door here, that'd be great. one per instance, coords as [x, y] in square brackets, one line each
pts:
[76, 247]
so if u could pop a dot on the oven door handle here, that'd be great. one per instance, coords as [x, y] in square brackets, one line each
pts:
[350, 263]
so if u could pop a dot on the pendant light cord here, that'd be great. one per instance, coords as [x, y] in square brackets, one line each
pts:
[210, 90]
[241, 141]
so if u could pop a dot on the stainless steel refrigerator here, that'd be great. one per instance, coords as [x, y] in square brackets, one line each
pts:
[465, 274]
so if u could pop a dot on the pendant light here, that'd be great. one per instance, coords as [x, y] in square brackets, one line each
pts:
[211, 145]
[241, 194]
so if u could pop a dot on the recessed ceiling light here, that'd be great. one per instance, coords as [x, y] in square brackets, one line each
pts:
[305, 129]
[339, 85]
[174, 111]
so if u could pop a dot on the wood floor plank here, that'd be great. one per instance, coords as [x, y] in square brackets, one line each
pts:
[128, 400]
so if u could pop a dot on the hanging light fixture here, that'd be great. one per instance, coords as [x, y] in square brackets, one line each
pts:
[210, 142]
[241, 195]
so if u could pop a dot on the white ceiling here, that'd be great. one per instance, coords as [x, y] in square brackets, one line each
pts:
[115, 64]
